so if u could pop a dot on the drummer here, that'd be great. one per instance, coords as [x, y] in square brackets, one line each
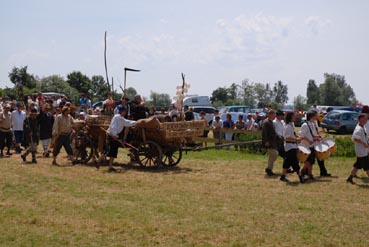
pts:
[309, 135]
[360, 139]
[321, 163]
[290, 147]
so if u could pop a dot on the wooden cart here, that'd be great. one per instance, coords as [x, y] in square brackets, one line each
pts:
[151, 143]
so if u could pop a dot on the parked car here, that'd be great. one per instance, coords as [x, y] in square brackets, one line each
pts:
[341, 121]
[99, 104]
[209, 111]
[235, 108]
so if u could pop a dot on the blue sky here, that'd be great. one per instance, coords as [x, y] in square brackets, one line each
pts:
[215, 43]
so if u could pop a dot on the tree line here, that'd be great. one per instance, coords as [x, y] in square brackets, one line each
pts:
[334, 91]
[73, 85]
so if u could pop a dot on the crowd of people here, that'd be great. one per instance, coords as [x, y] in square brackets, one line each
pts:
[279, 137]
[50, 120]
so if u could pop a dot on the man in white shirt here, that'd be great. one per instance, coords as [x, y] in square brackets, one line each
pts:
[360, 139]
[309, 135]
[18, 117]
[279, 129]
[117, 125]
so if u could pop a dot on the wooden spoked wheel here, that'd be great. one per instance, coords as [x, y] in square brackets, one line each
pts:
[172, 155]
[149, 154]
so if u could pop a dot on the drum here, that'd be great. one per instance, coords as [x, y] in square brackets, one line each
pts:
[302, 153]
[331, 144]
[321, 151]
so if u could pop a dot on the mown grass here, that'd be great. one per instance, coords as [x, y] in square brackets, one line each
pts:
[213, 198]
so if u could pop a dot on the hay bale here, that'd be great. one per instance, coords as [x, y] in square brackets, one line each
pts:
[148, 123]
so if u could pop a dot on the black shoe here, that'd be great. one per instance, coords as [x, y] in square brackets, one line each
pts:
[74, 162]
[269, 172]
[112, 169]
[284, 179]
[54, 163]
[1, 155]
[350, 180]
[325, 175]
[23, 157]
[312, 178]
[302, 179]
[97, 164]
[34, 161]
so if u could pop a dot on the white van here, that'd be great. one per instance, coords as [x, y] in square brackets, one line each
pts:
[197, 101]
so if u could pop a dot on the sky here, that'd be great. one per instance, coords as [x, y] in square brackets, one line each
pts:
[214, 43]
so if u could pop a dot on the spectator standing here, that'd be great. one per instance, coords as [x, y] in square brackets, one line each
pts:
[6, 136]
[18, 117]
[228, 124]
[217, 125]
[239, 125]
[279, 130]
[31, 135]
[188, 114]
[46, 122]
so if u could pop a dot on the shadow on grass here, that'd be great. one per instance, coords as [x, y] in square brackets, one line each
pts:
[363, 186]
[158, 169]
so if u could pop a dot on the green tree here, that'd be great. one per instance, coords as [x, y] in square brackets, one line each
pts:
[280, 93]
[99, 89]
[220, 94]
[247, 94]
[335, 91]
[299, 102]
[312, 93]
[263, 94]
[57, 84]
[20, 75]
[79, 81]
[158, 99]
[131, 93]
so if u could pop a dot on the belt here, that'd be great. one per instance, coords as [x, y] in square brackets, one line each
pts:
[290, 142]
[65, 134]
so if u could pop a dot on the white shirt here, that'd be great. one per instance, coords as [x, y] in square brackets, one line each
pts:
[305, 132]
[216, 124]
[118, 123]
[18, 118]
[366, 126]
[279, 127]
[250, 124]
[359, 133]
[289, 132]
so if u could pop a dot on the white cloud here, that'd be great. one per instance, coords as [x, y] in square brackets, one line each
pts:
[28, 56]
[316, 24]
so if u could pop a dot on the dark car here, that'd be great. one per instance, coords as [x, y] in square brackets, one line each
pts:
[341, 121]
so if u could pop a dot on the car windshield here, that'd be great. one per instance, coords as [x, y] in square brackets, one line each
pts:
[333, 115]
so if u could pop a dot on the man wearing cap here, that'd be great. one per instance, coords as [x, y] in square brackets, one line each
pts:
[6, 136]
[31, 135]
[62, 129]
[117, 125]
[46, 121]
[18, 117]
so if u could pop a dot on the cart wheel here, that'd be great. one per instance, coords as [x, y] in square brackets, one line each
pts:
[172, 155]
[149, 154]
[82, 148]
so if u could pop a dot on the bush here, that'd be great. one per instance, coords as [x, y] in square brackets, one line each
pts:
[345, 147]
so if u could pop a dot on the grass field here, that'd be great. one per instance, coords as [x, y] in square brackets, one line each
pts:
[213, 198]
